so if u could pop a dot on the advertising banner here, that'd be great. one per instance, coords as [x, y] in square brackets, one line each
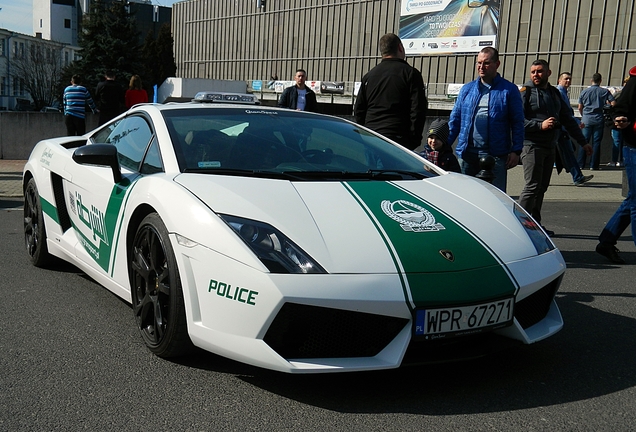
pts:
[432, 27]
[335, 87]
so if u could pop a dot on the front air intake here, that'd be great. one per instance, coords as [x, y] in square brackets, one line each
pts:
[301, 331]
[535, 307]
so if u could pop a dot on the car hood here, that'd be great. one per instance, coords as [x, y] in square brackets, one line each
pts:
[450, 223]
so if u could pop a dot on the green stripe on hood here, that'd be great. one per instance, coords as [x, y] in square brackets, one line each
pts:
[443, 262]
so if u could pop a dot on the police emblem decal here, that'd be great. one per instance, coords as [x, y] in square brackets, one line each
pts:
[410, 216]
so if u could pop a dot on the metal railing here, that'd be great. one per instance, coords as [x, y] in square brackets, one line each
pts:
[434, 91]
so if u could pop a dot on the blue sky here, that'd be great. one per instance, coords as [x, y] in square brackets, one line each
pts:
[17, 15]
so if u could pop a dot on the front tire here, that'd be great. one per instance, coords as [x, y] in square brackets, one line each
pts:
[34, 231]
[157, 297]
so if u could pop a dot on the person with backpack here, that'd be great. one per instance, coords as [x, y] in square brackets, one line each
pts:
[565, 149]
[591, 103]
[545, 112]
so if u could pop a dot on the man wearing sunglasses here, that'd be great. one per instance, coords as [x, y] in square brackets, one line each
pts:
[624, 118]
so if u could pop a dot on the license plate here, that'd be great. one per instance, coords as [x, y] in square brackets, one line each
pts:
[463, 320]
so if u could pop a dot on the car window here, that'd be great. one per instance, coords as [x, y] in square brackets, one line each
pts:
[131, 136]
[152, 162]
[256, 141]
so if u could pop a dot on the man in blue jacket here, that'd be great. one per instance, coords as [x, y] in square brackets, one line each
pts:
[488, 120]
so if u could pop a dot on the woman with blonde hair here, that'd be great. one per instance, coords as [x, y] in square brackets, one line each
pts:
[135, 93]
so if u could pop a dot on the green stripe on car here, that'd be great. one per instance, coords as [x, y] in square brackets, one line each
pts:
[444, 263]
[50, 210]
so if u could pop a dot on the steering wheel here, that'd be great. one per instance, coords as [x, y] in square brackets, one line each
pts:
[318, 156]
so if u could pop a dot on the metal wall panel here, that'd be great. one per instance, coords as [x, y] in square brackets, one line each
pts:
[337, 40]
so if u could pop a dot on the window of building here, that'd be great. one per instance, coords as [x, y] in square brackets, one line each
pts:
[40, 23]
[2, 42]
[3, 85]
[67, 23]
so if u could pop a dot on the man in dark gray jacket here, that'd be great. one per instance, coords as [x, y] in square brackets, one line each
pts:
[392, 99]
[545, 112]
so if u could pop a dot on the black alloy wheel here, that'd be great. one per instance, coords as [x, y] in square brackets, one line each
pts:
[157, 297]
[34, 232]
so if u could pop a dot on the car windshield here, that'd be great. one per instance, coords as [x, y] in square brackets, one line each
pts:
[285, 144]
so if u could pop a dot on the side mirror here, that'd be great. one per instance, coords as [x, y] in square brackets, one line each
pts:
[100, 155]
[475, 3]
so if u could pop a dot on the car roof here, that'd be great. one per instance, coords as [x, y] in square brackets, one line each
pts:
[170, 106]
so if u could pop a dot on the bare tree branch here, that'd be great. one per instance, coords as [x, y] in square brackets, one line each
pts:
[40, 68]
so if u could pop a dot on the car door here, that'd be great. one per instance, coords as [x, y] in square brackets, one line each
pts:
[96, 201]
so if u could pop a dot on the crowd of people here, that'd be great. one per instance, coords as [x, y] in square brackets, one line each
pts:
[533, 126]
[110, 101]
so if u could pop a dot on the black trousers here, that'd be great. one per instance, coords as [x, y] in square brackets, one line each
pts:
[74, 125]
[537, 165]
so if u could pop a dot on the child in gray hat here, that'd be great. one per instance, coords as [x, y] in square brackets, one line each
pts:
[437, 149]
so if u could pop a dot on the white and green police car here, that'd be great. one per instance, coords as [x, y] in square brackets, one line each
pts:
[288, 240]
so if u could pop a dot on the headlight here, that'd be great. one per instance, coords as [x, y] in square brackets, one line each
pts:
[540, 240]
[277, 252]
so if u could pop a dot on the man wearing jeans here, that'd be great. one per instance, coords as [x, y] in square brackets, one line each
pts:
[564, 145]
[487, 119]
[624, 119]
[591, 103]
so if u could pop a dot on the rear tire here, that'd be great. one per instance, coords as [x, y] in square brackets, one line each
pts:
[34, 230]
[157, 296]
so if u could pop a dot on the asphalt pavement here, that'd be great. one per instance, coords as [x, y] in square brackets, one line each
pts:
[606, 186]
[72, 358]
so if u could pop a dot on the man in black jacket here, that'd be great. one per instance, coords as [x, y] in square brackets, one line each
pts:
[545, 112]
[392, 99]
[109, 97]
[299, 96]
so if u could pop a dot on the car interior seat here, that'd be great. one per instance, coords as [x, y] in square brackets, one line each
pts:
[259, 148]
[207, 146]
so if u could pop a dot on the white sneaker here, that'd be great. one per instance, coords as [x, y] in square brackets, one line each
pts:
[612, 164]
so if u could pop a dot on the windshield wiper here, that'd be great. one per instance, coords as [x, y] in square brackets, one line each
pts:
[284, 175]
[386, 174]
[394, 173]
